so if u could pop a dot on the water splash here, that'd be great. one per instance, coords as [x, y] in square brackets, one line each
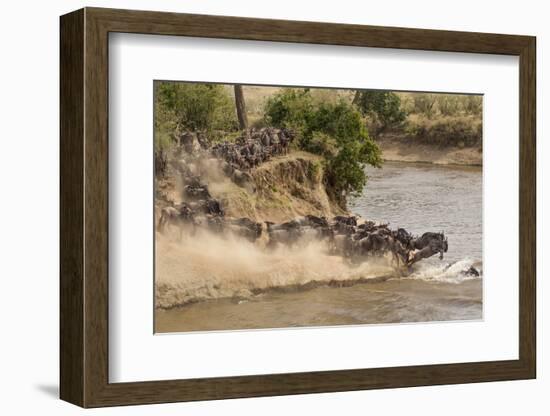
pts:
[449, 273]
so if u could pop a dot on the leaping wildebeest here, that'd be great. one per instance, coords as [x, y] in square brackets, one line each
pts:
[427, 245]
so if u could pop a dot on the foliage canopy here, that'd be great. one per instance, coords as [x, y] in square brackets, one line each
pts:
[384, 106]
[190, 106]
[334, 130]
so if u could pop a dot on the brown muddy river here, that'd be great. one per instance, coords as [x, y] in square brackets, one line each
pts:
[418, 197]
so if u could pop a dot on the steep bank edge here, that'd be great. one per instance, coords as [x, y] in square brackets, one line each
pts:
[285, 187]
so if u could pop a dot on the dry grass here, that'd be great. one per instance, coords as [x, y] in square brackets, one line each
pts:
[460, 131]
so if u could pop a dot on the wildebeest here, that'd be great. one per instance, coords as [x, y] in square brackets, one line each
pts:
[428, 244]
[241, 178]
[203, 140]
[429, 237]
[365, 244]
[180, 217]
[288, 225]
[187, 141]
[472, 271]
[403, 236]
[367, 226]
[245, 228]
[161, 162]
[215, 223]
[437, 239]
[208, 206]
[341, 219]
[312, 221]
[265, 138]
[309, 233]
[288, 233]
[254, 147]
[400, 253]
[342, 228]
[196, 192]
[373, 244]
[342, 245]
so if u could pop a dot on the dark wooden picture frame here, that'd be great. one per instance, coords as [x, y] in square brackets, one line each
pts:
[84, 207]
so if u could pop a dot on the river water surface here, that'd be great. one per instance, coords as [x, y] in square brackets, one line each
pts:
[417, 197]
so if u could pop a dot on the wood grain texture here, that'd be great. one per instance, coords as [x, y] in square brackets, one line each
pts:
[71, 208]
[84, 204]
[162, 23]
[528, 208]
[96, 222]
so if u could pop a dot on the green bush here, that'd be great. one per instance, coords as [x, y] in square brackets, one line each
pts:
[291, 108]
[322, 144]
[446, 131]
[165, 124]
[193, 106]
[334, 130]
[383, 106]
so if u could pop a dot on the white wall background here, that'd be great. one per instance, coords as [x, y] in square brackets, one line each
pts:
[29, 158]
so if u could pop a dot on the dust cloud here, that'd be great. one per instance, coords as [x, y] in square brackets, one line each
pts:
[205, 266]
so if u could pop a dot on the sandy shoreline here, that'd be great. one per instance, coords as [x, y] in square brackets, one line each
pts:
[395, 150]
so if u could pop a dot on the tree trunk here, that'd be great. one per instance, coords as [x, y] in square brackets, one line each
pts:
[356, 97]
[241, 107]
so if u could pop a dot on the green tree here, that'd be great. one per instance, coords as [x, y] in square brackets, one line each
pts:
[334, 130]
[165, 122]
[290, 108]
[383, 106]
[197, 106]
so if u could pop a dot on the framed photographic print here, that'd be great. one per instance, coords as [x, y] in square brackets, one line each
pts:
[256, 207]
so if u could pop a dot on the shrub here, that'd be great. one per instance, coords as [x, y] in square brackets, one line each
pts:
[291, 108]
[334, 130]
[165, 123]
[473, 104]
[448, 104]
[430, 105]
[195, 107]
[322, 144]
[383, 106]
[424, 104]
[446, 131]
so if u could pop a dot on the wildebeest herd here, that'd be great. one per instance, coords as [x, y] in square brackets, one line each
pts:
[346, 236]
[254, 147]
[250, 149]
